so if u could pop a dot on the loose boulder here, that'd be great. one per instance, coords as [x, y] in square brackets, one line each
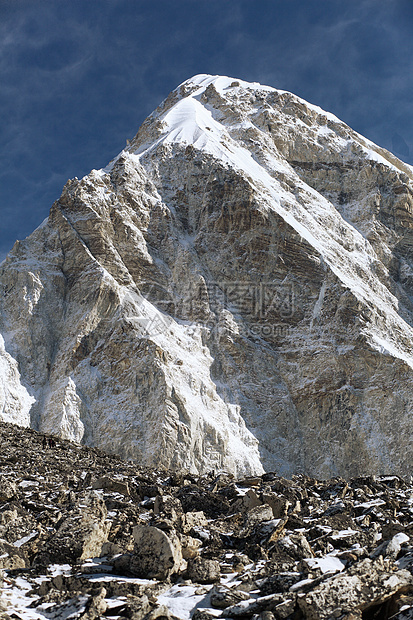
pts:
[156, 555]
[82, 533]
[202, 570]
[8, 489]
[116, 486]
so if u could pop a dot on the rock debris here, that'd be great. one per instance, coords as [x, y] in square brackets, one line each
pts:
[86, 535]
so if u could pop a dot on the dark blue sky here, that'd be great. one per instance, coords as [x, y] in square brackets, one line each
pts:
[78, 77]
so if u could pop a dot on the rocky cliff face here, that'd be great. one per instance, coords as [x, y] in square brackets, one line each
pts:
[234, 291]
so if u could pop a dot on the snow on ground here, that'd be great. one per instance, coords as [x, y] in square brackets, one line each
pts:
[181, 600]
[327, 564]
[16, 596]
[25, 539]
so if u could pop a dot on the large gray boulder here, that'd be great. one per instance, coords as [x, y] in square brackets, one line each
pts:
[156, 555]
[364, 586]
[82, 532]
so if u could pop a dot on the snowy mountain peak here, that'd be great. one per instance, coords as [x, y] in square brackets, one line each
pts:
[233, 291]
[193, 120]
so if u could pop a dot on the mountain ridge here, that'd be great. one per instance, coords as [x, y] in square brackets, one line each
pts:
[233, 291]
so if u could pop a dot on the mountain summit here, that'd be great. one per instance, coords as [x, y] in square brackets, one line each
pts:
[233, 291]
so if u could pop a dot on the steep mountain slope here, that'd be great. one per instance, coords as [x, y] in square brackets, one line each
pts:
[233, 291]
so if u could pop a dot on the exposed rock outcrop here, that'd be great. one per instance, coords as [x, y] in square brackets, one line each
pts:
[234, 291]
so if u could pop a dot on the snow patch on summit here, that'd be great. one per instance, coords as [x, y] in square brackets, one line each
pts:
[343, 248]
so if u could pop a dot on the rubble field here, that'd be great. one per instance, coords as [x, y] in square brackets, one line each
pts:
[86, 535]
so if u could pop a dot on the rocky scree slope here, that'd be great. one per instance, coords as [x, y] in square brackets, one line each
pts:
[84, 535]
[233, 291]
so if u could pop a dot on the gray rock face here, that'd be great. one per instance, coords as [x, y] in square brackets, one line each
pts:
[112, 485]
[83, 532]
[203, 570]
[156, 554]
[234, 291]
[10, 557]
[8, 489]
[364, 586]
